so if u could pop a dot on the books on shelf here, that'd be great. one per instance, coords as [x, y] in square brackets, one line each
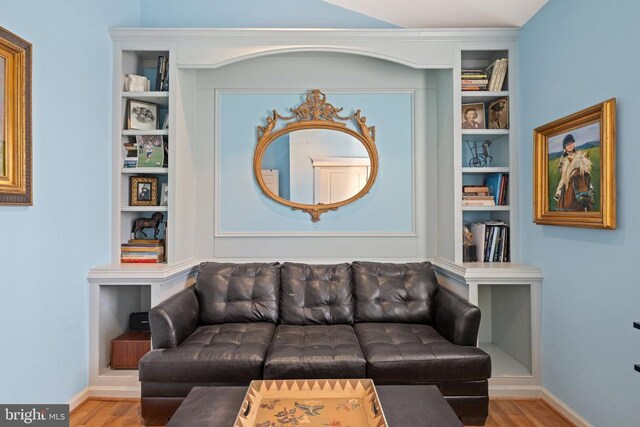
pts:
[162, 74]
[474, 79]
[498, 184]
[491, 239]
[130, 162]
[142, 251]
[497, 72]
[477, 196]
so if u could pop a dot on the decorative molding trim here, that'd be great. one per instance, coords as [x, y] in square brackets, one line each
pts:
[218, 233]
[78, 399]
[564, 409]
[494, 272]
[133, 273]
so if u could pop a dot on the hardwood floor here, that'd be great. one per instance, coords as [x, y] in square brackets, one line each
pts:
[502, 413]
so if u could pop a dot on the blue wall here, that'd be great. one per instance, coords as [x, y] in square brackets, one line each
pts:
[573, 54]
[47, 249]
[391, 113]
[277, 157]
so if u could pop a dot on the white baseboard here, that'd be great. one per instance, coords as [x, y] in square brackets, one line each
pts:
[115, 391]
[564, 409]
[515, 391]
[78, 399]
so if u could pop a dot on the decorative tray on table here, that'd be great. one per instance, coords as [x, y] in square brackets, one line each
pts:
[311, 403]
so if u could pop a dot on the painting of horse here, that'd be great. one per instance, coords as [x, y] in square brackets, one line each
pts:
[577, 192]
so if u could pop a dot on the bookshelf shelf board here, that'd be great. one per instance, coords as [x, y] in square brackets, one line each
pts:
[486, 208]
[485, 170]
[156, 97]
[469, 97]
[131, 132]
[485, 132]
[145, 171]
[143, 209]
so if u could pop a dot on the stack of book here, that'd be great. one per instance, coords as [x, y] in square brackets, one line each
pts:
[496, 73]
[474, 79]
[492, 241]
[497, 183]
[477, 196]
[142, 251]
[130, 162]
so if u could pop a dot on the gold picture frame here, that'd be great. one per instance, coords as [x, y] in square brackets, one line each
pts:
[574, 183]
[15, 120]
[143, 191]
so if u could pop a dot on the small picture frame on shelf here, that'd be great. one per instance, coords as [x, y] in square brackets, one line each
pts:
[142, 115]
[143, 191]
[473, 116]
[151, 152]
[164, 195]
[499, 114]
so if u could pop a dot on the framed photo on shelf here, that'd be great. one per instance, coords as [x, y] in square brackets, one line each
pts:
[151, 151]
[15, 120]
[499, 114]
[574, 169]
[143, 191]
[164, 195]
[473, 116]
[142, 115]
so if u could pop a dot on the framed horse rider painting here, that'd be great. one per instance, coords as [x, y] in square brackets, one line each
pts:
[574, 168]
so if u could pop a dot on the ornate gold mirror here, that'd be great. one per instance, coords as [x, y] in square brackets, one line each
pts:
[315, 163]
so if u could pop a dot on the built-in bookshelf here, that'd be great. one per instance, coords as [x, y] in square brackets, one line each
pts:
[140, 146]
[484, 156]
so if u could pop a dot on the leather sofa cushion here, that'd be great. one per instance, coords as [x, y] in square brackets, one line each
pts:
[316, 294]
[401, 293]
[314, 351]
[230, 293]
[410, 353]
[232, 353]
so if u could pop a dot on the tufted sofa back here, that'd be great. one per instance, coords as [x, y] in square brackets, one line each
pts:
[235, 293]
[400, 293]
[316, 294]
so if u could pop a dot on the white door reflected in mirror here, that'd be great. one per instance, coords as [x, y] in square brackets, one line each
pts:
[317, 166]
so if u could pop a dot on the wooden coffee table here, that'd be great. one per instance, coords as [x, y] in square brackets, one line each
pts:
[403, 406]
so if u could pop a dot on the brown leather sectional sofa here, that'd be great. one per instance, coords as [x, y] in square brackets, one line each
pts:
[389, 322]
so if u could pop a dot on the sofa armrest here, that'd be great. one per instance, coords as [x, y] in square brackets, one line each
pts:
[174, 319]
[456, 319]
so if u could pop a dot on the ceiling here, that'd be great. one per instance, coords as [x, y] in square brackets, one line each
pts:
[446, 14]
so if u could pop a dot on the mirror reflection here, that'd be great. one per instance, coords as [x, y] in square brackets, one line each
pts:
[316, 166]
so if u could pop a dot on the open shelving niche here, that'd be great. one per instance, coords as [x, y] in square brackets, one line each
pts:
[138, 62]
[507, 293]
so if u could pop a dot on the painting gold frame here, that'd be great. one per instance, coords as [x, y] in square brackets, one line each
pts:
[15, 134]
[603, 114]
[315, 113]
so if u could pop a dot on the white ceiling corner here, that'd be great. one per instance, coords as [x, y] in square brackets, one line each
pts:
[446, 14]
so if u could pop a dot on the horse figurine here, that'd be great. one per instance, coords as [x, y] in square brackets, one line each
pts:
[577, 192]
[139, 224]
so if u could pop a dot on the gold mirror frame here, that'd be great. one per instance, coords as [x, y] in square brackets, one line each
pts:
[315, 113]
[15, 179]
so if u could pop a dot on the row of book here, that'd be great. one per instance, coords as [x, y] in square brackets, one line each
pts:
[492, 78]
[498, 183]
[162, 74]
[142, 251]
[491, 239]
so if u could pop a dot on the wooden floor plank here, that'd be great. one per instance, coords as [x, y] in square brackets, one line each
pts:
[502, 413]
